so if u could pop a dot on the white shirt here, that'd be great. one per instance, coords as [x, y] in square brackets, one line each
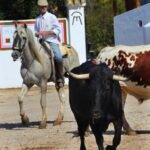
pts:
[48, 22]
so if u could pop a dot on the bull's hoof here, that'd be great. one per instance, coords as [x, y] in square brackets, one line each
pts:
[42, 125]
[25, 120]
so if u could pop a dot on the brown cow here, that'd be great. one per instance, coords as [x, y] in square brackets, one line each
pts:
[132, 62]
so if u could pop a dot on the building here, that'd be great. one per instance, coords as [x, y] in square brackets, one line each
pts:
[133, 27]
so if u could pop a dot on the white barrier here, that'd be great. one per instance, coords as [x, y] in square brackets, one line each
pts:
[74, 35]
[77, 31]
[10, 71]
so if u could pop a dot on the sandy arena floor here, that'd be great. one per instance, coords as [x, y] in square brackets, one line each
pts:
[15, 136]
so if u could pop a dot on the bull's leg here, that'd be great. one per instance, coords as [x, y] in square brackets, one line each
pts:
[43, 104]
[82, 145]
[117, 136]
[99, 140]
[24, 90]
[98, 136]
[128, 130]
[82, 127]
[60, 116]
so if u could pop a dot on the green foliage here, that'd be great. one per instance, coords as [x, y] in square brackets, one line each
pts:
[27, 9]
[99, 16]
[121, 6]
[99, 23]
[58, 7]
[17, 9]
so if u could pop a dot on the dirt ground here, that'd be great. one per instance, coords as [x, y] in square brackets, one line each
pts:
[15, 136]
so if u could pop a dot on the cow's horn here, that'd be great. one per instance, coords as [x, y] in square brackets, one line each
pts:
[120, 78]
[79, 76]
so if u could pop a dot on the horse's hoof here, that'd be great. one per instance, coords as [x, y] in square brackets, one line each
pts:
[25, 120]
[42, 125]
[130, 132]
[57, 122]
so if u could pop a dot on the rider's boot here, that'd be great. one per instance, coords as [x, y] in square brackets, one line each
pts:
[59, 74]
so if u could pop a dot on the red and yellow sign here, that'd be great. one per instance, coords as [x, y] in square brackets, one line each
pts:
[7, 29]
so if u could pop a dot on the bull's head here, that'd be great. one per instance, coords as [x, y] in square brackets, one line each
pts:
[101, 84]
[87, 76]
[19, 41]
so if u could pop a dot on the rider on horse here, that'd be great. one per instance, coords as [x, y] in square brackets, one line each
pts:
[48, 29]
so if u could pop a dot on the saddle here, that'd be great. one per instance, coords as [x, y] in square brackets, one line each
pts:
[65, 49]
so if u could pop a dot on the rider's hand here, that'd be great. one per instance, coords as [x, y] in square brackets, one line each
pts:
[44, 33]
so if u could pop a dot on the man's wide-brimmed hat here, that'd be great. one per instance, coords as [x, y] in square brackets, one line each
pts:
[42, 3]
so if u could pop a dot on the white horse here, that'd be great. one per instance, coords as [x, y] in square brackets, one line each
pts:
[37, 69]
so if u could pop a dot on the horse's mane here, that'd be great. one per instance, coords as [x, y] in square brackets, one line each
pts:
[33, 44]
[31, 39]
[30, 33]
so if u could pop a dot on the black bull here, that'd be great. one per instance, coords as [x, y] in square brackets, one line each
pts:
[96, 102]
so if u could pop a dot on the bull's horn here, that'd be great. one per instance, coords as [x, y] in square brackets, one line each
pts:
[120, 78]
[79, 76]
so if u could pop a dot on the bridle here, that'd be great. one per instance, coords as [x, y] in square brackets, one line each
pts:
[18, 46]
[17, 43]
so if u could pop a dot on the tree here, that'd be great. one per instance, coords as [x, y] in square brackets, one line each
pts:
[137, 3]
[99, 24]
[27, 9]
[17, 9]
[58, 7]
[131, 4]
[114, 7]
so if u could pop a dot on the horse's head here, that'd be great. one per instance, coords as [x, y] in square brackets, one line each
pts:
[19, 41]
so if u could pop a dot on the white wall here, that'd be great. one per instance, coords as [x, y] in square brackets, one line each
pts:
[9, 71]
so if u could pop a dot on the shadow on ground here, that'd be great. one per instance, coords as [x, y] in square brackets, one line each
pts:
[17, 126]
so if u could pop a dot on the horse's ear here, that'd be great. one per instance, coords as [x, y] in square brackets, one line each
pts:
[16, 25]
[25, 26]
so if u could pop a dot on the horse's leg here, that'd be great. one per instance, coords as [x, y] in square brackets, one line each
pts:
[60, 116]
[24, 90]
[128, 130]
[43, 103]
